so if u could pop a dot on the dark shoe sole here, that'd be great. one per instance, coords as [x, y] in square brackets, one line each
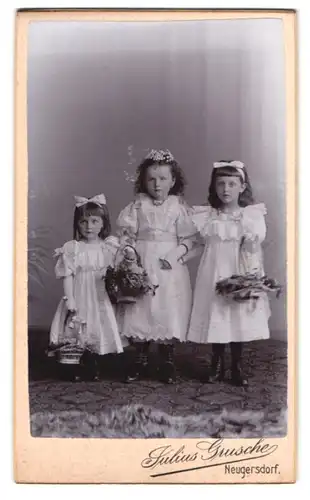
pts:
[131, 378]
[141, 373]
[216, 376]
[216, 380]
[239, 382]
[166, 373]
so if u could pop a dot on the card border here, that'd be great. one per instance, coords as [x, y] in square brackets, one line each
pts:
[100, 460]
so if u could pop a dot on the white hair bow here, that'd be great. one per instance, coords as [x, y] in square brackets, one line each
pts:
[236, 164]
[99, 200]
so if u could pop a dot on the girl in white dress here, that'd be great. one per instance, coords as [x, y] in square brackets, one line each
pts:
[81, 264]
[232, 229]
[159, 225]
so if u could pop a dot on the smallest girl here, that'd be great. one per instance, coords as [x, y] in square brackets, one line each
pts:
[81, 264]
[233, 228]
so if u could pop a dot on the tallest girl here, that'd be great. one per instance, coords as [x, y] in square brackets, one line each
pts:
[233, 228]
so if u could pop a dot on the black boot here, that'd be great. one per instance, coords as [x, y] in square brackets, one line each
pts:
[95, 370]
[217, 373]
[140, 367]
[237, 376]
[90, 369]
[167, 369]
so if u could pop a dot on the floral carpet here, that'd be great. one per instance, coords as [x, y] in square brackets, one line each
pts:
[264, 401]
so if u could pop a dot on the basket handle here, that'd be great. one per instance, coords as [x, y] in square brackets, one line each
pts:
[69, 316]
[121, 251]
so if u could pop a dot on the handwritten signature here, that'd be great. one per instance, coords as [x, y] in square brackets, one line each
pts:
[207, 454]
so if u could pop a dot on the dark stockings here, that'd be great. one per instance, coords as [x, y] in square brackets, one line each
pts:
[237, 376]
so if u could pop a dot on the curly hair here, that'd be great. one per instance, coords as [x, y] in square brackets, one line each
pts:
[92, 209]
[245, 198]
[176, 172]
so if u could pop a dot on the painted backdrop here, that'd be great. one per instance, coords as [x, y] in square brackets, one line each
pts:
[101, 94]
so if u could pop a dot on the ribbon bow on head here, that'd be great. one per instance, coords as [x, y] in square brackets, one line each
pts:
[238, 165]
[99, 200]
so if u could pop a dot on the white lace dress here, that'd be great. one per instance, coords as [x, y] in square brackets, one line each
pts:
[155, 230]
[87, 263]
[215, 319]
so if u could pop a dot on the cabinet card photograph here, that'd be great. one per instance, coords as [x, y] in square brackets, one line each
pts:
[155, 270]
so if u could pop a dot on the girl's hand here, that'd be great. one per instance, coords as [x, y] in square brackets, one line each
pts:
[250, 245]
[172, 258]
[165, 264]
[71, 304]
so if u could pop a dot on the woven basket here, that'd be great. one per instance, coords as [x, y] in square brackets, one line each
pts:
[126, 286]
[70, 355]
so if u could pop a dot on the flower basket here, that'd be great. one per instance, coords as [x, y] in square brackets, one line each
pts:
[71, 348]
[247, 287]
[128, 281]
[70, 354]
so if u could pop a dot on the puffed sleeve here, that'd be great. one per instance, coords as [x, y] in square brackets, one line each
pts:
[201, 217]
[254, 233]
[253, 222]
[188, 233]
[186, 229]
[127, 224]
[65, 265]
[111, 247]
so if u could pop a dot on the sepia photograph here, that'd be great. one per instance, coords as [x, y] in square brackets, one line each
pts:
[157, 230]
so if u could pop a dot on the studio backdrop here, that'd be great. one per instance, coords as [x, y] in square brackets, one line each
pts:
[101, 94]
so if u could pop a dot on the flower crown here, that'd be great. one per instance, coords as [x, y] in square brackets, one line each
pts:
[155, 155]
[160, 156]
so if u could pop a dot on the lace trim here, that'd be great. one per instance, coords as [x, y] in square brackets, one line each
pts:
[213, 222]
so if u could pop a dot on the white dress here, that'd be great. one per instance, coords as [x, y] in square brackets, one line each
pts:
[155, 230]
[216, 319]
[87, 263]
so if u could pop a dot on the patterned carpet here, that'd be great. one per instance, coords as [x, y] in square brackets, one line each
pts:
[265, 363]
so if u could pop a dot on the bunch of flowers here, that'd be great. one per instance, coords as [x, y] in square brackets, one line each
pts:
[247, 287]
[128, 280]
